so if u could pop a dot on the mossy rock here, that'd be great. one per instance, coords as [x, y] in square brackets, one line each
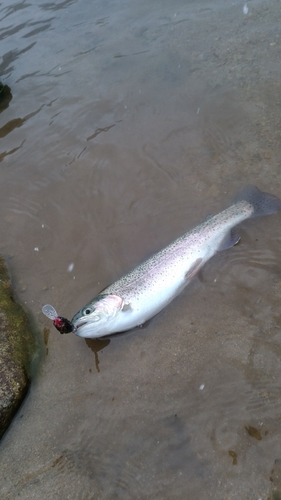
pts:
[17, 348]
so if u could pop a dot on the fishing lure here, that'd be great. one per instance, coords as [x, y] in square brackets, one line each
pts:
[63, 325]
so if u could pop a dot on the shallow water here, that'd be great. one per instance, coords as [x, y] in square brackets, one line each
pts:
[130, 122]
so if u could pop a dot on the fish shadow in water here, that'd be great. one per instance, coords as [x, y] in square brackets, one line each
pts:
[97, 344]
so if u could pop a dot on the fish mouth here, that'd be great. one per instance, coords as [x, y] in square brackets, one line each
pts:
[80, 324]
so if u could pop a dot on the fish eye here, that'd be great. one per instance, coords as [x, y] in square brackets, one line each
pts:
[88, 310]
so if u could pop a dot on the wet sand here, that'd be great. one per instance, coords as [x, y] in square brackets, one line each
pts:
[129, 123]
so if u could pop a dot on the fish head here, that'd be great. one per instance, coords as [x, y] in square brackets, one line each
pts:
[98, 317]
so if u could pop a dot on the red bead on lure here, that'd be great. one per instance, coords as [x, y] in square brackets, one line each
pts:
[63, 325]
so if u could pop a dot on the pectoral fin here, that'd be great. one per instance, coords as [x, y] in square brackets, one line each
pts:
[193, 269]
[126, 306]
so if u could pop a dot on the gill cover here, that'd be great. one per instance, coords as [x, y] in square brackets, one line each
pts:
[105, 305]
[97, 315]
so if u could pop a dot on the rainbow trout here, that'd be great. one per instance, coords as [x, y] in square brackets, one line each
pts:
[148, 288]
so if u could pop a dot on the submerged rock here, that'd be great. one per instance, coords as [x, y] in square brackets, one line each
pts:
[5, 96]
[17, 347]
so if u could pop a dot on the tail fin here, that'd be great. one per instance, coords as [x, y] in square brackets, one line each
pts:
[262, 203]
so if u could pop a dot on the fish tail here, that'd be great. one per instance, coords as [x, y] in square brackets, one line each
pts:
[261, 202]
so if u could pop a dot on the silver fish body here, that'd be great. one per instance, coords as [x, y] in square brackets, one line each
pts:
[149, 287]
